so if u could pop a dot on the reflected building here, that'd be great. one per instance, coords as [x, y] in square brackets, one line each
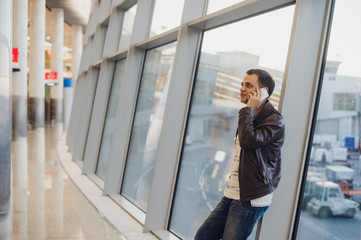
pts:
[339, 116]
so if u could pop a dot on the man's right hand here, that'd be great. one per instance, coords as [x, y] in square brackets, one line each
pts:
[254, 100]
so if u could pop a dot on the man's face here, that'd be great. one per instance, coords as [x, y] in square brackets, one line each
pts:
[249, 85]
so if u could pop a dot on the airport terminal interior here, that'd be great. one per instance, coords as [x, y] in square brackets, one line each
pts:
[118, 117]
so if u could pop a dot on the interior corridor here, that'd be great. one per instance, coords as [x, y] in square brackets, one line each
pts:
[45, 202]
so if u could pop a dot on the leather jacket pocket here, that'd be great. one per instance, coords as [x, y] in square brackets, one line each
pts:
[260, 176]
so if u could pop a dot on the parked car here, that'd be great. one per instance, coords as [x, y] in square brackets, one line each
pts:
[312, 179]
[329, 201]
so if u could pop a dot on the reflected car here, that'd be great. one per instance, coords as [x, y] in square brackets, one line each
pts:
[329, 201]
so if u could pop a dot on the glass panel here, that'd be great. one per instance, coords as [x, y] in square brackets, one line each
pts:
[127, 29]
[332, 197]
[227, 53]
[108, 130]
[147, 124]
[216, 5]
[87, 103]
[166, 15]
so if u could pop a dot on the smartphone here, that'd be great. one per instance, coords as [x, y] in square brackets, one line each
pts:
[264, 93]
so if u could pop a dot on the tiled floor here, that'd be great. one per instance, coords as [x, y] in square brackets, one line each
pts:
[46, 203]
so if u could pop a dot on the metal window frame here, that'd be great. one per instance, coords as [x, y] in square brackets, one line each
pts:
[86, 104]
[126, 108]
[114, 32]
[97, 121]
[329, 9]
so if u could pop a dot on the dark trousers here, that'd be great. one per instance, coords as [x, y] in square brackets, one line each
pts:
[230, 220]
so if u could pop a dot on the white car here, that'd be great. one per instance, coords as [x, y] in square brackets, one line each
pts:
[329, 201]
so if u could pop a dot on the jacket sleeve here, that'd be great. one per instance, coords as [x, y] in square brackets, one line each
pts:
[267, 132]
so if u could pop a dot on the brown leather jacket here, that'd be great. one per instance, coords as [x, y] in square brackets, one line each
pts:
[261, 138]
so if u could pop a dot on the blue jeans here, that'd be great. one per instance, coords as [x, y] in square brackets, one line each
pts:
[230, 220]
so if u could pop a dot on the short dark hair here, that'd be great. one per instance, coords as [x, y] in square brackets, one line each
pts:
[264, 79]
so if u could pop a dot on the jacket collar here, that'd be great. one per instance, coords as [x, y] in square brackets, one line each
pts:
[267, 109]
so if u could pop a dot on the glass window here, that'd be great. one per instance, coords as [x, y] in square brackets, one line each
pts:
[344, 101]
[83, 121]
[127, 28]
[108, 130]
[147, 124]
[216, 5]
[227, 53]
[166, 15]
[335, 149]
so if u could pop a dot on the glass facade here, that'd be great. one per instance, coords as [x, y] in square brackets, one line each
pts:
[170, 178]
[110, 119]
[147, 125]
[331, 199]
[128, 22]
[209, 144]
[166, 15]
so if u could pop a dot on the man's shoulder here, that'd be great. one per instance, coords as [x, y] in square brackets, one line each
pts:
[273, 116]
[275, 112]
[271, 110]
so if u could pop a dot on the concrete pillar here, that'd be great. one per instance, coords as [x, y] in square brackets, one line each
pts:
[69, 84]
[57, 65]
[37, 64]
[19, 118]
[5, 113]
[19, 82]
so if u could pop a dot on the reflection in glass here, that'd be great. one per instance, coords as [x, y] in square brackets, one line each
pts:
[227, 53]
[332, 195]
[216, 5]
[36, 180]
[166, 15]
[147, 124]
[127, 28]
[110, 119]
[19, 155]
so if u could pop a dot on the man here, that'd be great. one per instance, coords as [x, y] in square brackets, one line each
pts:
[256, 166]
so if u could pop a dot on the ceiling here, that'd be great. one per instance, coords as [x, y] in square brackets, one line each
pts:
[76, 12]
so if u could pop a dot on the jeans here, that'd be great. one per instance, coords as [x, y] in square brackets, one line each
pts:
[230, 220]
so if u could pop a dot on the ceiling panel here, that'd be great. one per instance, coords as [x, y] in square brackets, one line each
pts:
[76, 12]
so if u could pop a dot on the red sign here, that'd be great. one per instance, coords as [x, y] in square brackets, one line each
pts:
[51, 78]
[15, 55]
[15, 61]
[51, 75]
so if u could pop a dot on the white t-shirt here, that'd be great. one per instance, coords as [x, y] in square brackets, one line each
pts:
[232, 190]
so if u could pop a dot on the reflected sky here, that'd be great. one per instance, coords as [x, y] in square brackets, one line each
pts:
[167, 15]
[344, 45]
[264, 36]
